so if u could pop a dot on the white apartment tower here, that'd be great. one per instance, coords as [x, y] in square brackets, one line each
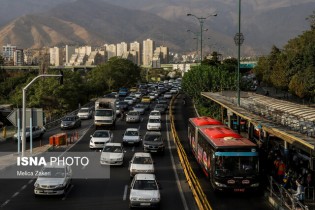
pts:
[135, 50]
[8, 52]
[148, 47]
[111, 51]
[55, 56]
[70, 50]
[122, 48]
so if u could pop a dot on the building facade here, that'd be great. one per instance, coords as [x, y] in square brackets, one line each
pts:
[148, 47]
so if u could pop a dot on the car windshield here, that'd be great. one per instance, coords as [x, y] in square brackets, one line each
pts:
[68, 119]
[153, 137]
[106, 113]
[145, 185]
[131, 133]
[84, 111]
[154, 121]
[52, 172]
[101, 134]
[139, 106]
[142, 160]
[114, 149]
[133, 113]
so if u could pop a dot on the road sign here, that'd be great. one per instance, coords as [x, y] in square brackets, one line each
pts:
[37, 117]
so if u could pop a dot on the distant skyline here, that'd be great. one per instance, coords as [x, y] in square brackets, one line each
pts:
[264, 23]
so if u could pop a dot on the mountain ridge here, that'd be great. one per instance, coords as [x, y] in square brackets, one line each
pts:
[98, 22]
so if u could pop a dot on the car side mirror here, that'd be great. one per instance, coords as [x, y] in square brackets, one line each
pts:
[159, 185]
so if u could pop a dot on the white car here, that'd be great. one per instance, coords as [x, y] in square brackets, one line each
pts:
[154, 125]
[53, 179]
[155, 115]
[141, 162]
[144, 191]
[37, 132]
[168, 95]
[85, 113]
[132, 136]
[129, 100]
[100, 138]
[112, 154]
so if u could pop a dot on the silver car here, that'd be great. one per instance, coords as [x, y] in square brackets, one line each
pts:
[139, 108]
[132, 136]
[133, 116]
[144, 191]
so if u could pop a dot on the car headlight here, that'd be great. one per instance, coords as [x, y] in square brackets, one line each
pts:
[91, 141]
[155, 199]
[255, 185]
[60, 185]
[36, 185]
[119, 159]
[220, 184]
[133, 198]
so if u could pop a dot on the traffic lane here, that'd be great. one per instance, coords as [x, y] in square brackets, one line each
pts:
[12, 145]
[89, 196]
[218, 201]
[10, 188]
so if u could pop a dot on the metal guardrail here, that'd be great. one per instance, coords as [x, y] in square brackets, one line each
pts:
[57, 122]
[283, 196]
[200, 197]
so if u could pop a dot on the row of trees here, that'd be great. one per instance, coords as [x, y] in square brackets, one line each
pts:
[293, 68]
[210, 76]
[78, 87]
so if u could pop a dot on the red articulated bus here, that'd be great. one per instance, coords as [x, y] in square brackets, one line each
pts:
[229, 160]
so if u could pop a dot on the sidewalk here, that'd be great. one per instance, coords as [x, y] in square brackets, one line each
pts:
[10, 159]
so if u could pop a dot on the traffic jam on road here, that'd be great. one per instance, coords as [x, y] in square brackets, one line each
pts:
[128, 134]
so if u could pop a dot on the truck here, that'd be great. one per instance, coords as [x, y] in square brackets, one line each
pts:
[105, 112]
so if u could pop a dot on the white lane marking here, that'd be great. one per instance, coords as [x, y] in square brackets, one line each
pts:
[174, 168]
[67, 193]
[5, 203]
[133, 149]
[23, 187]
[15, 194]
[125, 192]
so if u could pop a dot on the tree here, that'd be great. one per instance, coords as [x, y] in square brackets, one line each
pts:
[311, 19]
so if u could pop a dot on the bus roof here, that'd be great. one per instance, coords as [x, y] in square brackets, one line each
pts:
[225, 137]
[201, 121]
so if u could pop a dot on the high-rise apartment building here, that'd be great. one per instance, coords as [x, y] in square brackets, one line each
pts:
[55, 56]
[135, 50]
[122, 48]
[18, 57]
[111, 50]
[148, 47]
[70, 50]
[162, 53]
[8, 53]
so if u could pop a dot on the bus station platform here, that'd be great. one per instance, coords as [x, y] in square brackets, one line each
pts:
[279, 127]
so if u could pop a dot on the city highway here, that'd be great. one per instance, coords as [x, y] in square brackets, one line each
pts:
[113, 193]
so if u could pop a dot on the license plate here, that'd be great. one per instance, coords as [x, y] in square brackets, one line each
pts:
[48, 191]
[144, 204]
[153, 150]
[239, 190]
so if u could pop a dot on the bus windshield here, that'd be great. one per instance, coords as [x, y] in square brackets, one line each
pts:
[231, 166]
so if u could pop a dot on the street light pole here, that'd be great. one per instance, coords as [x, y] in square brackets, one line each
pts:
[24, 108]
[201, 21]
[239, 39]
